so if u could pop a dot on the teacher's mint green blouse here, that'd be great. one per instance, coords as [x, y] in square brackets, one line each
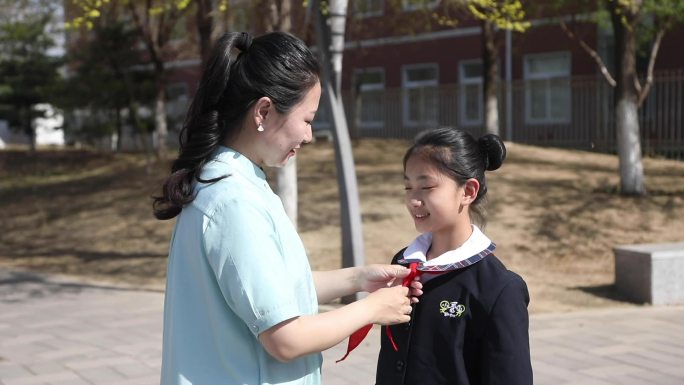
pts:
[236, 268]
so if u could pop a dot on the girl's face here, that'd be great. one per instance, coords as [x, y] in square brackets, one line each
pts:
[435, 201]
[284, 133]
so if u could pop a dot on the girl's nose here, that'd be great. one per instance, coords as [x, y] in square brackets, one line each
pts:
[415, 202]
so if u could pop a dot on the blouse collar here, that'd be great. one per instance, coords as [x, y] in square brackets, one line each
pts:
[240, 162]
[475, 248]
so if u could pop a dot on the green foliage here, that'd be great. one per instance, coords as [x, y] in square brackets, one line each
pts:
[647, 17]
[90, 10]
[505, 14]
[107, 76]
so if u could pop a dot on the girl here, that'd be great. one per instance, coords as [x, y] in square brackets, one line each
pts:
[241, 300]
[471, 325]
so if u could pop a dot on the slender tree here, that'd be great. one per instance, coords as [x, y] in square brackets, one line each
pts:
[279, 18]
[330, 21]
[495, 16]
[633, 22]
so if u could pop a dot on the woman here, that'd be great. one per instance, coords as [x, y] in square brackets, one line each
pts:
[241, 301]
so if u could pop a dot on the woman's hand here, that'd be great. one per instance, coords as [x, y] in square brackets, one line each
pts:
[389, 305]
[373, 277]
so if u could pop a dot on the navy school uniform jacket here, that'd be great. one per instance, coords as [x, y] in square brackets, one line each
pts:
[469, 328]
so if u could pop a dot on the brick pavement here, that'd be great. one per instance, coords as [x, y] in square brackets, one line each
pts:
[56, 332]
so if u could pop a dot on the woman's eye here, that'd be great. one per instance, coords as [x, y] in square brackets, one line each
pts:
[428, 187]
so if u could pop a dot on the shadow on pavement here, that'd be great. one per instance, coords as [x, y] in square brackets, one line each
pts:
[20, 286]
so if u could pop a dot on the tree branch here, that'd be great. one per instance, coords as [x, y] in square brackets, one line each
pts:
[643, 93]
[144, 30]
[594, 55]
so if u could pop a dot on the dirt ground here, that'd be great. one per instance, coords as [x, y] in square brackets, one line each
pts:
[553, 214]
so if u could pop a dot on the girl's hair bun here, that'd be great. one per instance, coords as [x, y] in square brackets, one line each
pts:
[493, 150]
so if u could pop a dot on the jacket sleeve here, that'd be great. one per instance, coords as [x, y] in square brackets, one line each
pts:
[506, 346]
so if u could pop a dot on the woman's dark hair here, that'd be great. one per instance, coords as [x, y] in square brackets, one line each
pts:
[457, 154]
[276, 65]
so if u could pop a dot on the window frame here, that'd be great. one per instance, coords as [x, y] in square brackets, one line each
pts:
[465, 81]
[407, 6]
[407, 85]
[547, 76]
[370, 87]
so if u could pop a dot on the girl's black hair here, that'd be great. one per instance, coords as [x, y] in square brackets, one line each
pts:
[457, 154]
[276, 65]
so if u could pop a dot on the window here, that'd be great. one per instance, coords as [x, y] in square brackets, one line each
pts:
[471, 90]
[368, 8]
[547, 88]
[420, 94]
[413, 5]
[370, 85]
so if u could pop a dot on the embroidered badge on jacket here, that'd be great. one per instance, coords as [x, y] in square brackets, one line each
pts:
[451, 309]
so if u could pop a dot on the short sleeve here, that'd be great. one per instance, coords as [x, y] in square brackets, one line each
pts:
[243, 248]
[506, 350]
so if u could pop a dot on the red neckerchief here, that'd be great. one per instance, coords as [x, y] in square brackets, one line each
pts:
[358, 336]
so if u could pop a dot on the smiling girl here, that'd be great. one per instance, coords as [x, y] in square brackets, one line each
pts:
[471, 324]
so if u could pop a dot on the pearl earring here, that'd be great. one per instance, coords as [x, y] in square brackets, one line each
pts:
[260, 128]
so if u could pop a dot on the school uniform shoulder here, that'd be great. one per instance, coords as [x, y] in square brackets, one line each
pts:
[493, 279]
[398, 256]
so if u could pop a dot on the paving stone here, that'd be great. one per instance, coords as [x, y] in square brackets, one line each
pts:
[101, 375]
[64, 376]
[87, 335]
[613, 370]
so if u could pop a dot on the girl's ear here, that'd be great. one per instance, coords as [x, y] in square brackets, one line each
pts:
[470, 190]
[261, 109]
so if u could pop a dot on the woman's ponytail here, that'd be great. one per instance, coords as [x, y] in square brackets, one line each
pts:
[202, 132]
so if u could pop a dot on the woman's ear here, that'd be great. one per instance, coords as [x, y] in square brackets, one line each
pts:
[261, 108]
[470, 190]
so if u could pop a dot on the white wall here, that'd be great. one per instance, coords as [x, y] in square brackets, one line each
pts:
[4, 134]
[48, 130]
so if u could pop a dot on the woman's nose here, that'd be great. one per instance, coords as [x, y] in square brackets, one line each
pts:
[308, 135]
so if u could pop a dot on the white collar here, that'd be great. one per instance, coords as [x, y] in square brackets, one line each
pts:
[476, 247]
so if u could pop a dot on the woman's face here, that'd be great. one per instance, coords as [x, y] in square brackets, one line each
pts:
[284, 133]
[433, 199]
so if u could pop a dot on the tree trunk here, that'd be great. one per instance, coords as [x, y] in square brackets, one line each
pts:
[161, 128]
[626, 109]
[490, 63]
[29, 128]
[287, 188]
[119, 130]
[204, 27]
[330, 48]
[286, 176]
